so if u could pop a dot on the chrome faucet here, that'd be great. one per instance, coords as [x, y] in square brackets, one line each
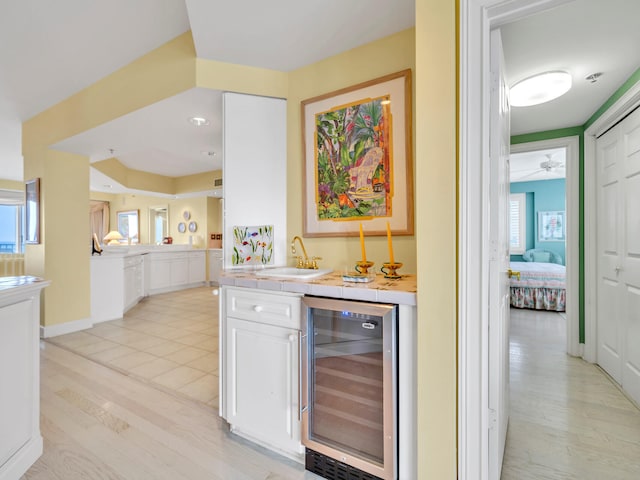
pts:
[303, 262]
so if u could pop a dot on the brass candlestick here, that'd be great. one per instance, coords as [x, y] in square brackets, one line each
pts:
[390, 270]
[363, 266]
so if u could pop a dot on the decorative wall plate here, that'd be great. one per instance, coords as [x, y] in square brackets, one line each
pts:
[193, 226]
[186, 215]
[182, 227]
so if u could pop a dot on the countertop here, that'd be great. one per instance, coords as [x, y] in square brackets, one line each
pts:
[382, 290]
[112, 251]
[12, 288]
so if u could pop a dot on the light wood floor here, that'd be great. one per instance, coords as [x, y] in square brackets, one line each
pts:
[568, 420]
[99, 423]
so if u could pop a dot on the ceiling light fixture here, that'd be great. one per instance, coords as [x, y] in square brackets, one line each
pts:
[199, 121]
[540, 88]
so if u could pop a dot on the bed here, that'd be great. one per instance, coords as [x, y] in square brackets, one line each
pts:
[541, 285]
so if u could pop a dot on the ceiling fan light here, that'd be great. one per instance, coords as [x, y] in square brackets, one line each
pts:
[199, 121]
[540, 88]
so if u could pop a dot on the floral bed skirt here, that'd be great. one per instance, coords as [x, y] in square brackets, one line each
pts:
[540, 298]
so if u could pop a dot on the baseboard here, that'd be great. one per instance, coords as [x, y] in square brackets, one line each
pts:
[21, 461]
[64, 328]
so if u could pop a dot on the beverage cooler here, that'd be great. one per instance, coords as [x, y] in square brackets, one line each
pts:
[349, 388]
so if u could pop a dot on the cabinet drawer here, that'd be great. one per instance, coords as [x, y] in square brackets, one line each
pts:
[278, 309]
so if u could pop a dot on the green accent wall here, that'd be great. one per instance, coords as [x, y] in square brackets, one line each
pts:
[542, 196]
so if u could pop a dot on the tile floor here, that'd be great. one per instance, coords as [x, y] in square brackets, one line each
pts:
[169, 340]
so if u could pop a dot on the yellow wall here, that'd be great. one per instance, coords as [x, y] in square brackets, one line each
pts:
[373, 60]
[198, 207]
[11, 185]
[151, 182]
[62, 257]
[214, 217]
[436, 230]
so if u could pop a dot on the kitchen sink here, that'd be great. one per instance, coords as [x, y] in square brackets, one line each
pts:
[293, 273]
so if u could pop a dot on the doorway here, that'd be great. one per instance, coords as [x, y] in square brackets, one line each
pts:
[567, 149]
[478, 18]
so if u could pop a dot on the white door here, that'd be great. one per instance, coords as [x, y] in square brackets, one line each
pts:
[609, 199]
[499, 304]
[618, 322]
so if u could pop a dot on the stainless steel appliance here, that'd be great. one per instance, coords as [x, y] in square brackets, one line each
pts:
[349, 388]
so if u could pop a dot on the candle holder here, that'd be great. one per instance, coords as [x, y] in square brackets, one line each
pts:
[390, 270]
[363, 266]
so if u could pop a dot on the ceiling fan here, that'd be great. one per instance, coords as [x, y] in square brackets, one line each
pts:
[551, 165]
[547, 166]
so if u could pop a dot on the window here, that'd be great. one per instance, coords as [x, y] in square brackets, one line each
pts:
[11, 221]
[517, 223]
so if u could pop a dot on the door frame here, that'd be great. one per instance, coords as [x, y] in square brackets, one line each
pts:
[477, 18]
[616, 112]
[572, 243]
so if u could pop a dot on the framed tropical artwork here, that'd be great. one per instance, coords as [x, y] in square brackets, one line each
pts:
[358, 159]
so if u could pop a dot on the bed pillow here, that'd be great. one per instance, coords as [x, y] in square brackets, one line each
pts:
[542, 257]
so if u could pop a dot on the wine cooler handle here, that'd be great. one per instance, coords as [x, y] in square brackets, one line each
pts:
[301, 346]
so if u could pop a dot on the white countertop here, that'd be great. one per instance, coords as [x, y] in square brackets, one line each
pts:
[382, 290]
[127, 250]
[22, 286]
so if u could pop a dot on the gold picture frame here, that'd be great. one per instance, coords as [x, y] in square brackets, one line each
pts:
[358, 162]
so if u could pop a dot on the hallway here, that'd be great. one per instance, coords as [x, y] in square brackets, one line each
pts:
[567, 419]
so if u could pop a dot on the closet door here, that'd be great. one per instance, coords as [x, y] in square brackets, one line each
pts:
[609, 200]
[630, 271]
[618, 157]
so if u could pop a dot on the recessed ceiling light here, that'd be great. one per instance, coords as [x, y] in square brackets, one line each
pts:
[199, 121]
[540, 88]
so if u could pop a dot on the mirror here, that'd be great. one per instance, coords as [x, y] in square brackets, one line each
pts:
[129, 226]
[158, 223]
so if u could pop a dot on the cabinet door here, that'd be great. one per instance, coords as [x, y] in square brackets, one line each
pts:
[17, 363]
[262, 383]
[130, 289]
[197, 267]
[180, 270]
[215, 266]
[159, 273]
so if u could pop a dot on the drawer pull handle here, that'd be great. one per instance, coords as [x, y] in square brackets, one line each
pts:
[257, 308]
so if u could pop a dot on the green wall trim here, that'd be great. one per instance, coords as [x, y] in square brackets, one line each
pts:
[547, 135]
[624, 88]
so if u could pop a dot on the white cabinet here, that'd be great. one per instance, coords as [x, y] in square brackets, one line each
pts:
[117, 284]
[260, 360]
[158, 272]
[215, 265]
[169, 271]
[179, 269]
[133, 281]
[20, 439]
[198, 267]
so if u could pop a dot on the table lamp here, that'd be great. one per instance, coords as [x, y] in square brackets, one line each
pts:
[113, 237]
